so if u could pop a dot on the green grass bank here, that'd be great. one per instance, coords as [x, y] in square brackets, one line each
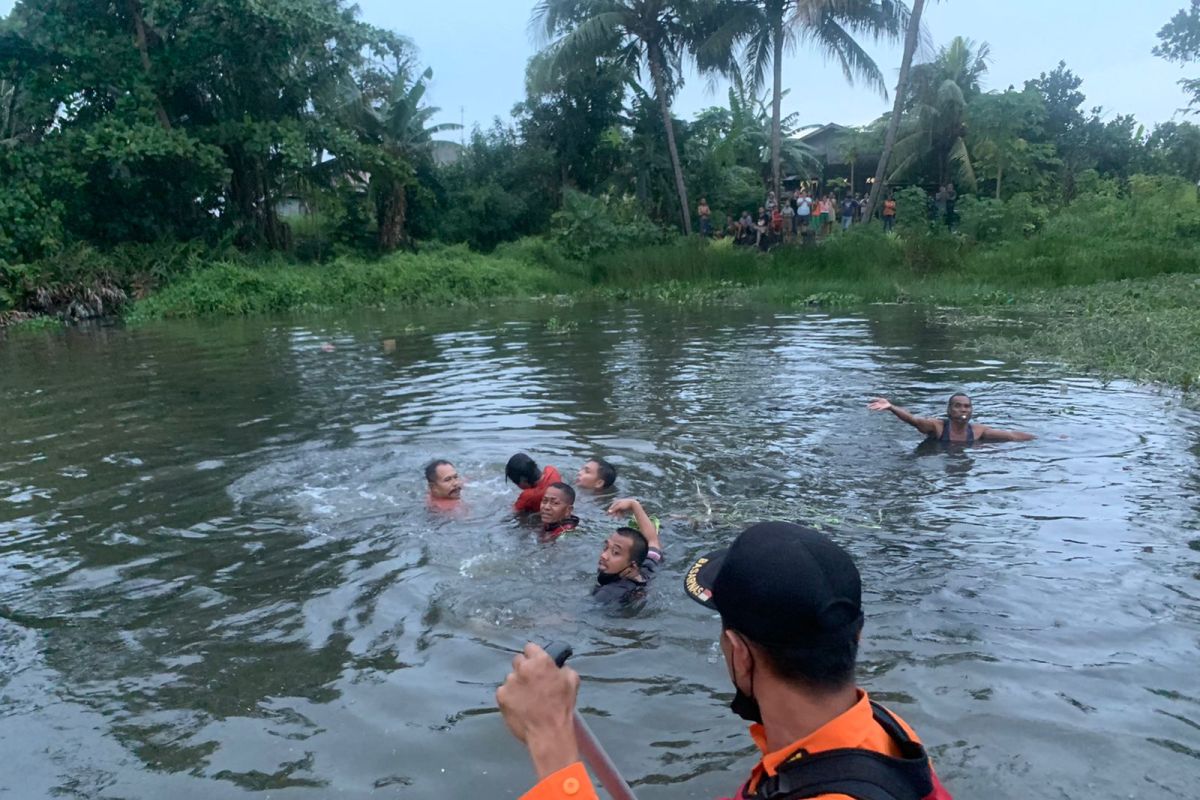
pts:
[1113, 281]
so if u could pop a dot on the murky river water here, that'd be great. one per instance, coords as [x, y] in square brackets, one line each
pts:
[217, 573]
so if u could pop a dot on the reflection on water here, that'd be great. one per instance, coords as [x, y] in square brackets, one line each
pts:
[217, 573]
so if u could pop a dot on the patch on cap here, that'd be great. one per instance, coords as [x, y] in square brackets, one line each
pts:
[699, 579]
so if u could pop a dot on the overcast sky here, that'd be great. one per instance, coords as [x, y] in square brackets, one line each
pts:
[478, 50]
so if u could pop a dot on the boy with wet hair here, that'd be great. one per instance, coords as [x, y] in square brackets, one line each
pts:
[558, 505]
[532, 481]
[596, 475]
[630, 558]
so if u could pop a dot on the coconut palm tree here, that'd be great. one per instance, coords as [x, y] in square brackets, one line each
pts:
[911, 38]
[937, 105]
[752, 35]
[650, 33]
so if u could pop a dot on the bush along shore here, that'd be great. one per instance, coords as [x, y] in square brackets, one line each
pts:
[1113, 278]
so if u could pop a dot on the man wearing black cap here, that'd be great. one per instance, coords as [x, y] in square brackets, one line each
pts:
[790, 602]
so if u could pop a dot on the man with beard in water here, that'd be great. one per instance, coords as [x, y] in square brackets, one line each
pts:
[790, 601]
[956, 427]
[630, 556]
[445, 485]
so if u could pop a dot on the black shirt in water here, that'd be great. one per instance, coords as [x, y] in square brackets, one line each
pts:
[624, 590]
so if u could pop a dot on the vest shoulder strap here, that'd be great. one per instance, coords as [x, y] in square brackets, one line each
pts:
[862, 774]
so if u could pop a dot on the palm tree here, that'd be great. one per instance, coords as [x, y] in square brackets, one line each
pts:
[911, 38]
[938, 101]
[761, 30]
[637, 32]
[399, 126]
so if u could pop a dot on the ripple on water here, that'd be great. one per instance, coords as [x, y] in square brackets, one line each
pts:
[219, 574]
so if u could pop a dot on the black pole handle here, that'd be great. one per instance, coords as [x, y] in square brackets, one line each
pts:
[559, 651]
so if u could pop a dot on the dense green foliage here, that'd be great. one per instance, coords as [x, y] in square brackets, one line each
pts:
[218, 121]
[230, 157]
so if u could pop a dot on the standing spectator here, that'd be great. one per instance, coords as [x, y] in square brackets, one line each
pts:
[705, 215]
[804, 210]
[788, 212]
[849, 210]
[951, 198]
[771, 203]
[889, 212]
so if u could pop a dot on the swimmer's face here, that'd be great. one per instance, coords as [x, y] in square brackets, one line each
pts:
[555, 506]
[447, 484]
[959, 408]
[616, 556]
[588, 477]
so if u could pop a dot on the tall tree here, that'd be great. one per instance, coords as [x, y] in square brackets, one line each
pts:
[1179, 41]
[650, 33]
[937, 104]
[754, 35]
[911, 38]
[1004, 129]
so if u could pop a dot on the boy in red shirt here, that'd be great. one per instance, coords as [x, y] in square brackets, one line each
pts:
[533, 482]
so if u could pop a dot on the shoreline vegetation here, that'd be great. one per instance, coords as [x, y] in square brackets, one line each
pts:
[228, 159]
[1113, 279]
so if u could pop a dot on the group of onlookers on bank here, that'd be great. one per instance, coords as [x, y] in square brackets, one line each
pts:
[805, 215]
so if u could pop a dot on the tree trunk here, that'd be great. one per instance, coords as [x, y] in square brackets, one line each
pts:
[139, 33]
[776, 102]
[999, 176]
[391, 209]
[664, 104]
[910, 47]
[253, 203]
[853, 162]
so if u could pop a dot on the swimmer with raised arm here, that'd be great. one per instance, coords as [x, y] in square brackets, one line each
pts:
[956, 428]
[630, 556]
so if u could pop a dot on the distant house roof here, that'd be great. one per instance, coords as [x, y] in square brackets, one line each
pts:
[446, 153]
[825, 141]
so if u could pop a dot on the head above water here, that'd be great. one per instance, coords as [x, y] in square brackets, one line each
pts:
[959, 408]
[623, 552]
[596, 475]
[790, 601]
[557, 503]
[523, 471]
[443, 479]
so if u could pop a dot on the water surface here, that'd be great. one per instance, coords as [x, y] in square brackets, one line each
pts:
[217, 573]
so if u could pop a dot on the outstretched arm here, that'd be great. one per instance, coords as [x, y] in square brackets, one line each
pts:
[929, 427]
[986, 434]
[629, 505]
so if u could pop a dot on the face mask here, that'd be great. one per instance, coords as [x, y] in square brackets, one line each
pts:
[746, 707]
[605, 578]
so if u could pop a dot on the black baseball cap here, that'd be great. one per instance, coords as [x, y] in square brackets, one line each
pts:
[780, 584]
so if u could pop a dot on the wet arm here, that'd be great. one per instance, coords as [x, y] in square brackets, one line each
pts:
[646, 525]
[923, 424]
[996, 435]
